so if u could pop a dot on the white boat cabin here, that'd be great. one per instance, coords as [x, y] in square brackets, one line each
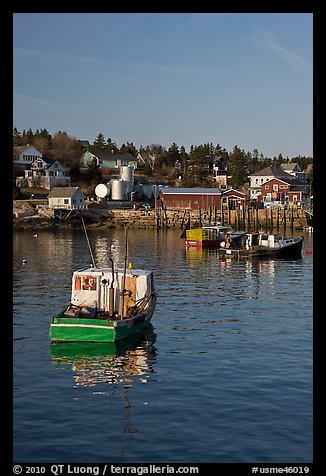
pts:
[96, 290]
[271, 240]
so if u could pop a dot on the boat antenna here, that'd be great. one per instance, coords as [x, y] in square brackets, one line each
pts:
[123, 290]
[88, 243]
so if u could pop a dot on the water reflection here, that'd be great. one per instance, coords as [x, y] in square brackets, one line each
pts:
[195, 255]
[109, 363]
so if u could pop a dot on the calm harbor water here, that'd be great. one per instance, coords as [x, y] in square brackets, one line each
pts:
[224, 374]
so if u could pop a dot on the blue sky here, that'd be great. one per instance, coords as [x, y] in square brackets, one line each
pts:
[240, 79]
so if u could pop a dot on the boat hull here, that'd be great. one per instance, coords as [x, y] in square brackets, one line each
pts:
[213, 244]
[293, 250]
[203, 244]
[75, 329]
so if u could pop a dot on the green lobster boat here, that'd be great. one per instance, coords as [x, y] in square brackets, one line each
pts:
[106, 305]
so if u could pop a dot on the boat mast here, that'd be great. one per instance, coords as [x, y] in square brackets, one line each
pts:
[88, 243]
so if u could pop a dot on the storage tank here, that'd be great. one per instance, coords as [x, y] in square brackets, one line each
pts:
[118, 189]
[127, 172]
[148, 191]
[127, 175]
[102, 190]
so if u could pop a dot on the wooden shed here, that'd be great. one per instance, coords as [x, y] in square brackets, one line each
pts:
[196, 198]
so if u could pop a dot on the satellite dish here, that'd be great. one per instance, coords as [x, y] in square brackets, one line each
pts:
[101, 190]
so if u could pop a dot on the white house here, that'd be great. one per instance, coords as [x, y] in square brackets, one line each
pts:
[25, 155]
[45, 173]
[68, 198]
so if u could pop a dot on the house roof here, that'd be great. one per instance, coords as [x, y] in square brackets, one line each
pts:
[290, 180]
[19, 149]
[49, 161]
[231, 191]
[290, 166]
[66, 192]
[106, 155]
[84, 142]
[274, 171]
[191, 191]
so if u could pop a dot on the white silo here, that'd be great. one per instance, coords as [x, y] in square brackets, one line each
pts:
[127, 175]
[118, 189]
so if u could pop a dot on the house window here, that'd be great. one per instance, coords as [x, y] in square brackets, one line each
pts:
[275, 187]
[283, 186]
[261, 180]
[266, 187]
[256, 181]
[66, 201]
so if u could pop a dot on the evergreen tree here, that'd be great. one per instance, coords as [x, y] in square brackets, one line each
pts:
[111, 146]
[99, 142]
[94, 172]
[172, 155]
[16, 137]
[29, 136]
[237, 166]
[130, 148]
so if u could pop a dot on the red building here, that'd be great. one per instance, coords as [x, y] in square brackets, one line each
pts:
[190, 198]
[284, 191]
[232, 198]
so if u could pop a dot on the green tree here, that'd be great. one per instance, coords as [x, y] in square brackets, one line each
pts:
[111, 146]
[237, 166]
[94, 173]
[29, 136]
[99, 142]
[173, 155]
[17, 137]
[130, 148]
